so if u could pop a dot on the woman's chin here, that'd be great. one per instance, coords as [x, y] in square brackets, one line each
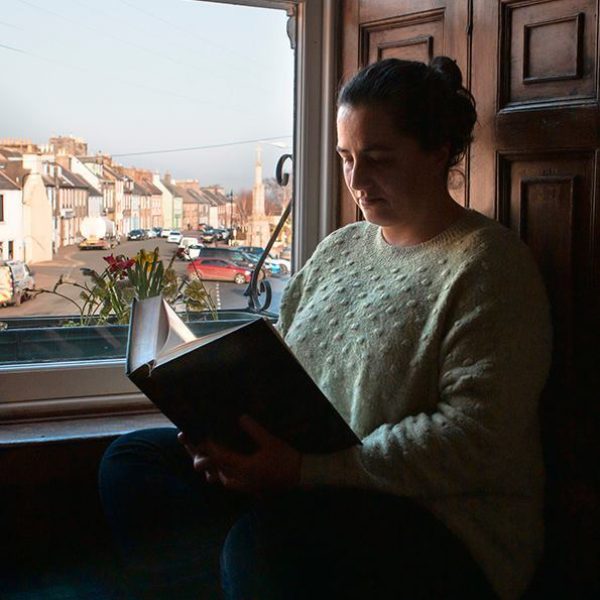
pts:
[377, 215]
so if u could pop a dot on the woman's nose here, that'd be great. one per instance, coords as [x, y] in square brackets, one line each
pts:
[359, 177]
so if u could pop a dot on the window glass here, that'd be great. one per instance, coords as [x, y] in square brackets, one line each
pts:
[161, 121]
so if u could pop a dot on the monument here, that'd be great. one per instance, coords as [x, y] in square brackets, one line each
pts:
[259, 231]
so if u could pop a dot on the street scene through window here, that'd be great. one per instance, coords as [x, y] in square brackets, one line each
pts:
[138, 157]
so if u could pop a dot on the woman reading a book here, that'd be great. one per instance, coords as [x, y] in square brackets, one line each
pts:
[427, 327]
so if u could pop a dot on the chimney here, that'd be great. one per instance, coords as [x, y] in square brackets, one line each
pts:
[168, 178]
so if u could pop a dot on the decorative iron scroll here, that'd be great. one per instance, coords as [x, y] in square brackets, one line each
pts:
[256, 288]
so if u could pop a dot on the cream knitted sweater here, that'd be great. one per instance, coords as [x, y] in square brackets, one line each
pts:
[435, 354]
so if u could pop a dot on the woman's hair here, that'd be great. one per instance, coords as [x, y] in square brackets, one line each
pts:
[428, 102]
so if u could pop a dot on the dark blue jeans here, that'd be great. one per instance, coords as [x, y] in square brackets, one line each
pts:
[180, 537]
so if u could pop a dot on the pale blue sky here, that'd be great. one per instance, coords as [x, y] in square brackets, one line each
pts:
[139, 75]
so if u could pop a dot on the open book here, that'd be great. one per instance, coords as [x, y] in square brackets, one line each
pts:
[203, 385]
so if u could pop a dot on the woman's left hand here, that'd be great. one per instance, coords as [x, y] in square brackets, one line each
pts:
[273, 466]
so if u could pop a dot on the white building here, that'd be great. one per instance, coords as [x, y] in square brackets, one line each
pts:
[167, 201]
[11, 220]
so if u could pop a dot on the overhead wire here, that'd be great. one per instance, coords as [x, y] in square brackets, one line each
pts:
[244, 57]
[206, 147]
[111, 36]
[127, 82]
[187, 47]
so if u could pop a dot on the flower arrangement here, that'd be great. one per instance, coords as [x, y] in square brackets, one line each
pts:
[107, 296]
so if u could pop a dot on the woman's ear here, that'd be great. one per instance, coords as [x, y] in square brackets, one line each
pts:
[441, 156]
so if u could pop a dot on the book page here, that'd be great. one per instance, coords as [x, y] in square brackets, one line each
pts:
[180, 349]
[178, 332]
[145, 332]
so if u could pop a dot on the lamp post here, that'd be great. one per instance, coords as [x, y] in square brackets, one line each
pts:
[230, 198]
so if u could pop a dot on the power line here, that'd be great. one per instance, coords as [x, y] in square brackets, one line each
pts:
[10, 25]
[189, 32]
[13, 49]
[189, 148]
[122, 81]
[114, 37]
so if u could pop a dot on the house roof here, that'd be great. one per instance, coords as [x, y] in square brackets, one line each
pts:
[190, 196]
[6, 183]
[151, 188]
[201, 198]
[66, 178]
[140, 189]
[175, 190]
[215, 198]
[8, 153]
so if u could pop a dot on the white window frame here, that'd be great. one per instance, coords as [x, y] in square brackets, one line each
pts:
[47, 392]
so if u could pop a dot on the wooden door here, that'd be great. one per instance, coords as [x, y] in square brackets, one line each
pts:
[410, 30]
[532, 66]
[534, 167]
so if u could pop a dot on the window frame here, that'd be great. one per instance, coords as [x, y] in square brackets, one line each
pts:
[43, 393]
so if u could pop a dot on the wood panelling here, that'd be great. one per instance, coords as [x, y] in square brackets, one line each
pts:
[532, 66]
[549, 51]
[544, 128]
[547, 200]
[382, 9]
[411, 38]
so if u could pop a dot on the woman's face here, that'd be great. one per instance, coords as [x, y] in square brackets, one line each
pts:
[388, 174]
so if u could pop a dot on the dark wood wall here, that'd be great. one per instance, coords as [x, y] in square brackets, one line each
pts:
[532, 66]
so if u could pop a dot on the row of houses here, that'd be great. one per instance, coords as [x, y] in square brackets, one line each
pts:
[46, 192]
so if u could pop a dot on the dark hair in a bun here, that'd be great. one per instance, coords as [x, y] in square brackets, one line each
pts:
[428, 102]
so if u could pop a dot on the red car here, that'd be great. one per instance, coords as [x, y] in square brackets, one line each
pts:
[219, 269]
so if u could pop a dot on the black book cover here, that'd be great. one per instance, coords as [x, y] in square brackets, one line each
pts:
[248, 370]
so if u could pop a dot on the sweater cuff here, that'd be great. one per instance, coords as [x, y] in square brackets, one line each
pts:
[338, 468]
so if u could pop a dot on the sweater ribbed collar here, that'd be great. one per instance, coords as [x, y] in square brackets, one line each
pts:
[456, 230]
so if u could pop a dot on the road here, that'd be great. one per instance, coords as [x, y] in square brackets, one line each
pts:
[69, 261]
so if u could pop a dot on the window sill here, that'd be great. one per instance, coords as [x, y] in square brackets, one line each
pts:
[16, 435]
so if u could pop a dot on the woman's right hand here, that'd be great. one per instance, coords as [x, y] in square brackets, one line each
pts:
[201, 461]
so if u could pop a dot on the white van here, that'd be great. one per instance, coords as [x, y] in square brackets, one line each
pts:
[16, 282]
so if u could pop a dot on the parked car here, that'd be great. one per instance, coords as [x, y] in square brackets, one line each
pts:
[222, 234]
[165, 233]
[184, 245]
[192, 252]
[286, 253]
[277, 266]
[150, 233]
[231, 254]
[251, 249]
[284, 265]
[136, 234]
[157, 231]
[219, 269]
[16, 282]
[209, 235]
[174, 236]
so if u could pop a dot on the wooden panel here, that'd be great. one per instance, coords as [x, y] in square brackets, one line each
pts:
[409, 38]
[548, 128]
[548, 201]
[548, 51]
[371, 10]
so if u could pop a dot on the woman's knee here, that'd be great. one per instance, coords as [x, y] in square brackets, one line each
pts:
[129, 459]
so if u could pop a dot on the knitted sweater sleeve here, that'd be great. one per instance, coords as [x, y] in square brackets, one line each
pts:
[494, 359]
